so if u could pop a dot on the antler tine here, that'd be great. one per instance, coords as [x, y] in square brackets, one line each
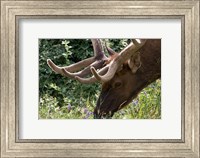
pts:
[86, 80]
[135, 41]
[109, 75]
[124, 55]
[84, 72]
[110, 51]
[72, 67]
[98, 49]
[53, 66]
[93, 78]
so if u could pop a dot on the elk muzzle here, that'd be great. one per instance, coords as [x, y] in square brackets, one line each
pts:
[108, 104]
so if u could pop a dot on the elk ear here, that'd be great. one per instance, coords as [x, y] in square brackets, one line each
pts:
[134, 62]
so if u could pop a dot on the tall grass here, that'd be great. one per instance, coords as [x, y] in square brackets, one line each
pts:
[146, 106]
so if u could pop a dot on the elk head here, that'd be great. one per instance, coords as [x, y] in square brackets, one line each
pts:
[122, 75]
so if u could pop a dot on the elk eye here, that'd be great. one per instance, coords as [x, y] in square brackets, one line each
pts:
[117, 84]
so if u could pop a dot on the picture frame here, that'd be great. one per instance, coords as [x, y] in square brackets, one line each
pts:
[12, 11]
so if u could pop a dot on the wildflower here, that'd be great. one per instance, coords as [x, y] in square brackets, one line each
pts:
[69, 107]
[145, 93]
[88, 114]
[135, 102]
[85, 111]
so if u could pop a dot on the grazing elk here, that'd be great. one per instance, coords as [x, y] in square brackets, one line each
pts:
[122, 75]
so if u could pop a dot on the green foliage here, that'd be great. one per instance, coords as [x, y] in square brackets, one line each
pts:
[65, 98]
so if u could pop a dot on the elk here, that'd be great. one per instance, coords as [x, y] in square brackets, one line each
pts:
[122, 75]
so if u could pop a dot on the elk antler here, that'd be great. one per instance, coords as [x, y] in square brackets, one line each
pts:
[97, 61]
[124, 55]
[106, 72]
